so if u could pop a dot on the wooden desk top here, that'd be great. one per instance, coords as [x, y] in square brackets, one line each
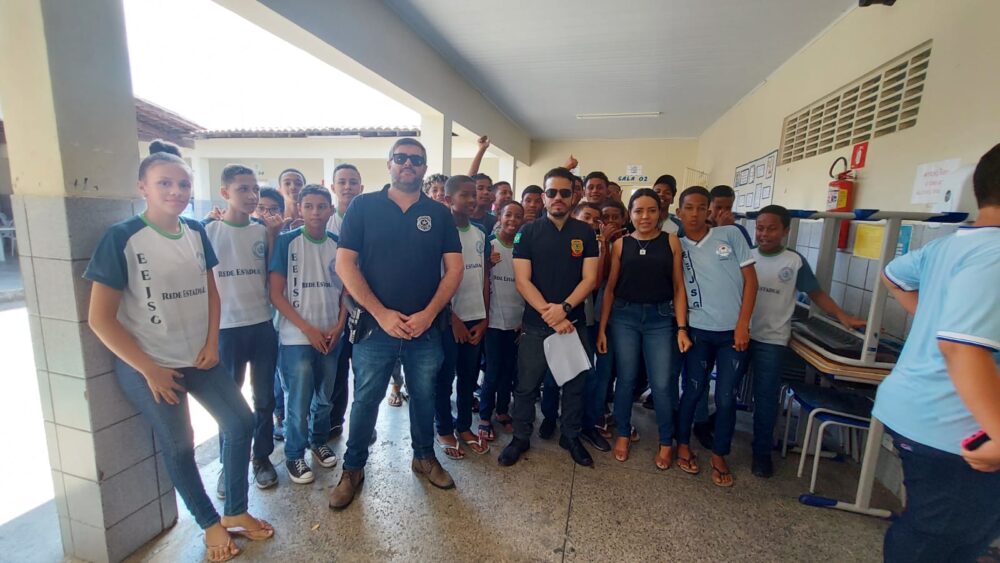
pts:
[838, 370]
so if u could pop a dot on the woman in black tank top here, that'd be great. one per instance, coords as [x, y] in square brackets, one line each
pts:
[645, 304]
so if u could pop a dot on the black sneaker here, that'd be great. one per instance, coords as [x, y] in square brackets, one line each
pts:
[762, 466]
[547, 429]
[512, 452]
[279, 429]
[299, 471]
[336, 432]
[264, 475]
[592, 436]
[324, 455]
[220, 486]
[647, 403]
[374, 437]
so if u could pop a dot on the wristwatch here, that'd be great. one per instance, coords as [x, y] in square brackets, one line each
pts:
[682, 327]
[567, 307]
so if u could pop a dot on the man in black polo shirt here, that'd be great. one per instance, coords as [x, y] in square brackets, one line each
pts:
[392, 245]
[555, 268]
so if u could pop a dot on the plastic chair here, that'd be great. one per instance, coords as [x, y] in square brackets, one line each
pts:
[831, 407]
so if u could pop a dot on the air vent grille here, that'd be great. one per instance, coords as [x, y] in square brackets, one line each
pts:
[882, 102]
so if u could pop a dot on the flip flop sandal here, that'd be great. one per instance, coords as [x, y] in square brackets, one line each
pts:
[478, 446]
[662, 464]
[486, 432]
[263, 532]
[395, 399]
[230, 553]
[688, 465]
[722, 475]
[506, 422]
[453, 452]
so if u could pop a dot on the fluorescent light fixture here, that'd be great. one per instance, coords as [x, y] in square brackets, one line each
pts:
[619, 115]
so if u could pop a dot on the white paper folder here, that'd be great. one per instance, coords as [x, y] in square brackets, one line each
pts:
[566, 356]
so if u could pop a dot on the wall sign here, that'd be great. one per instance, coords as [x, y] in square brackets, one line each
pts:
[859, 153]
[754, 183]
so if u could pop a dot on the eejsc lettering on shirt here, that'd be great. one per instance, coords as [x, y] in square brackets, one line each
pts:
[774, 290]
[497, 277]
[309, 285]
[193, 292]
[473, 266]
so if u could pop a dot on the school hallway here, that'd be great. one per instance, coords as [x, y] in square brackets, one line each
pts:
[546, 508]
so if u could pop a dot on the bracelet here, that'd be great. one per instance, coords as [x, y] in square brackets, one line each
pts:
[684, 328]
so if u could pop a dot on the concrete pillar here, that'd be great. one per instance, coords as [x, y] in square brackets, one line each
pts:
[508, 170]
[70, 124]
[435, 134]
[204, 188]
[329, 163]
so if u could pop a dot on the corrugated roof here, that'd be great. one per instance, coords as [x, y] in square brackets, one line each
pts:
[295, 132]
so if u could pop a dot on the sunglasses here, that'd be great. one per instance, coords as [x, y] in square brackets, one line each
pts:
[401, 158]
[564, 193]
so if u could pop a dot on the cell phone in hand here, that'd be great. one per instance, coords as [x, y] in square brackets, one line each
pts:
[972, 443]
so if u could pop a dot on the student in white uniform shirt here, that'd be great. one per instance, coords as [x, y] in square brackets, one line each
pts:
[306, 292]
[155, 305]
[469, 321]
[666, 188]
[781, 272]
[246, 334]
[506, 310]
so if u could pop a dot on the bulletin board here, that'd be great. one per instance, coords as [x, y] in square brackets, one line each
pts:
[754, 183]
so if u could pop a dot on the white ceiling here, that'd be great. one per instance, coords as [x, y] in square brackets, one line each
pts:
[544, 62]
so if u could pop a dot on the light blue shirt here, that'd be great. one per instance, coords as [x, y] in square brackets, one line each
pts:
[958, 278]
[713, 277]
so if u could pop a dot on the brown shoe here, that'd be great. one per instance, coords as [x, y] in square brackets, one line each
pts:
[343, 493]
[432, 470]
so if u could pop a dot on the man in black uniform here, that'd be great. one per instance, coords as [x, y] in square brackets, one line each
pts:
[555, 268]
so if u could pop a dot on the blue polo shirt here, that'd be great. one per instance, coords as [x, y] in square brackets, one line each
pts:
[400, 253]
[958, 278]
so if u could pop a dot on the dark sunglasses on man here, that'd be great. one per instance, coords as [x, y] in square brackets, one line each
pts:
[401, 158]
[564, 193]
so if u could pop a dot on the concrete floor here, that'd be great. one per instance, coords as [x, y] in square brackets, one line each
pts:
[546, 508]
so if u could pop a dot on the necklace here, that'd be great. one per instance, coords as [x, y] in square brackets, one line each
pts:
[642, 247]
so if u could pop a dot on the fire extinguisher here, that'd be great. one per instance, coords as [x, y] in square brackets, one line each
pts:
[840, 197]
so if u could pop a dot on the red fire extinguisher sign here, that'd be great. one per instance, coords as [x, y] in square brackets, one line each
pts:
[858, 155]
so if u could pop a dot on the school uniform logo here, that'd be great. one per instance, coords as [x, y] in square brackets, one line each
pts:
[424, 223]
[576, 246]
[480, 246]
[517, 238]
[785, 274]
[724, 251]
[259, 249]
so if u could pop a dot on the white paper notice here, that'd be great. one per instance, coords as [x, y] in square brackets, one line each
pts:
[927, 186]
[566, 356]
[954, 189]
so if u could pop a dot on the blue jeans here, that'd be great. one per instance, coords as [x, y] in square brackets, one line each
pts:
[279, 392]
[951, 509]
[217, 392]
[256, 345]
[595, 394]
[501, 372]
[766, 361]
[646, 330]
[707, 348]
[374, 360]
[461, 363]
[308, 376]
[340, 383]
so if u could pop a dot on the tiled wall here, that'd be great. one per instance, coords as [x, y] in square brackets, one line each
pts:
[854, 278]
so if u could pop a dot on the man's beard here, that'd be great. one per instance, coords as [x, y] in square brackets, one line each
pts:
[408, 187]
[557, 214]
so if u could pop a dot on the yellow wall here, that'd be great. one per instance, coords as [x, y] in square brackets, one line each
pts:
[657, 156]
[959, 113]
